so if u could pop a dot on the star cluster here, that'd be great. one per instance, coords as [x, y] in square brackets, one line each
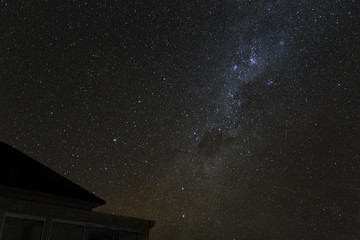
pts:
[219, 120]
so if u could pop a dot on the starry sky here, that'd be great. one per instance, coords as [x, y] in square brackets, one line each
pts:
[231, 119]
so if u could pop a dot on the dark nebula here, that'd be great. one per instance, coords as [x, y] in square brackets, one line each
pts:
[217, 119]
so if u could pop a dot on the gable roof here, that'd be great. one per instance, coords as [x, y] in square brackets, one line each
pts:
[23, 177]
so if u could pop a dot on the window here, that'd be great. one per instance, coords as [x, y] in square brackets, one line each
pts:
[66, 231]
[95, 233]
[17, 228]
[125, 235]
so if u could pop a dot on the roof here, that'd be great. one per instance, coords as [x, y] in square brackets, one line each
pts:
[25, 178]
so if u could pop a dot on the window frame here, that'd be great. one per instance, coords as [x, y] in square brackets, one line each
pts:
[88, 224]
[26, 217]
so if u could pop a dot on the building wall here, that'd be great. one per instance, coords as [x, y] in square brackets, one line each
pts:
[10, 207]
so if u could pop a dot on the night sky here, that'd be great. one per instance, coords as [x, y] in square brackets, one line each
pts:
[225, 119]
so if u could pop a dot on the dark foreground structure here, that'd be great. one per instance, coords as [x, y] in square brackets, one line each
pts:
[37, 203]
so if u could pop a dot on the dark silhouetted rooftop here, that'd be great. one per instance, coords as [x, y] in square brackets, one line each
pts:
[23, 177]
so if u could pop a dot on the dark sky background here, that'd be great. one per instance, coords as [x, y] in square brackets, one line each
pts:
[225, 119]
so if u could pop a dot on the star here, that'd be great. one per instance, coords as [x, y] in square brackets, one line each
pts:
[230, 114]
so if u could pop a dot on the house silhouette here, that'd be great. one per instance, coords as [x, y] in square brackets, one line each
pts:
[36, 203]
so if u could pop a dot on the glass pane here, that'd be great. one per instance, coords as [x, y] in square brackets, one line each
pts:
[116, 235]
[66, 231]
[94, 233]
[21, 229]
[125, 235]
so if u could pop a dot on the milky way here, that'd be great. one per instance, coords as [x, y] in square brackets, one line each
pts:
[218, 120]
